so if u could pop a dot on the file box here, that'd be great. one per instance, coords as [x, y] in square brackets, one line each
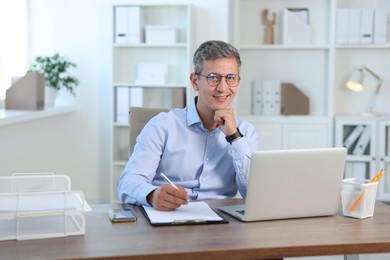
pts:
[160, 35]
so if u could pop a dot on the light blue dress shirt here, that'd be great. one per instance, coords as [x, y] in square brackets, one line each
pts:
[202, 161]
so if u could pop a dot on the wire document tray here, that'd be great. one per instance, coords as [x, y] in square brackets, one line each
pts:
[36, 206]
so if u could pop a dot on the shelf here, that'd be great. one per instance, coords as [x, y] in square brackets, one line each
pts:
[119, 163]
[146, 45]
[127, 59]
[284, 47]
[287, 119]
[121, 124]
[359, 158]
[363, 47]
[8, 117]
[146, 85]
[375, 155]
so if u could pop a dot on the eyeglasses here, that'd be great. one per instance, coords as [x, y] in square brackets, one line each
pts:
[213, 79]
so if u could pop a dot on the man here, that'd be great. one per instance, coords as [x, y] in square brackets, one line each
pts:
[203, 149]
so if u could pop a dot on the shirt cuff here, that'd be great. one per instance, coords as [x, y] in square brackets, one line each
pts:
[144, 193]
[239, 149]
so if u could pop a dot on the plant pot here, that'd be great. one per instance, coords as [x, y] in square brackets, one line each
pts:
[50, 96]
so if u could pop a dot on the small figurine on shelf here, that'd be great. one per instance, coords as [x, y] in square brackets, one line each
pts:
[269, 26]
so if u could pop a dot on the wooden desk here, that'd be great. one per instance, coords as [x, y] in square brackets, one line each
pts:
[260, 240]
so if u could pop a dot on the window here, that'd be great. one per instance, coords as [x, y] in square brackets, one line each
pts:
[13, 44]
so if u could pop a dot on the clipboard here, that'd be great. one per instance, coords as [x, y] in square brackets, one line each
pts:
[194, 213]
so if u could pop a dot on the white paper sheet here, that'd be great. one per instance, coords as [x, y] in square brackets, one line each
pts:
[193, 211]
[33, 202]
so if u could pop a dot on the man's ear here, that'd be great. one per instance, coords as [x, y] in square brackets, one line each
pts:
[194, 81]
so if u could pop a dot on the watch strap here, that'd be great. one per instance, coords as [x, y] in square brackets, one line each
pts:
[230, 138]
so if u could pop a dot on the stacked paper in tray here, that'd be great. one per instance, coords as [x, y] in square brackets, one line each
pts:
[40, 206]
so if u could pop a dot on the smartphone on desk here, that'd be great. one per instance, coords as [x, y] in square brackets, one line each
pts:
[121, 215]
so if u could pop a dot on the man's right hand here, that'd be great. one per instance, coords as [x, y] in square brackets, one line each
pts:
[167, 198]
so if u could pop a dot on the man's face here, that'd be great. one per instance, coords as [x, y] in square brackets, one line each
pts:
[215, 97]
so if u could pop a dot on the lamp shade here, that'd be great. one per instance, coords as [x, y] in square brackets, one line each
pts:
[355, 81]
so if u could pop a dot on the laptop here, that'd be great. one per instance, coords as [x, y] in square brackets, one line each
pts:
[292, 184]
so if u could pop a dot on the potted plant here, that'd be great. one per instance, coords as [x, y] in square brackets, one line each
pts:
[57, 77]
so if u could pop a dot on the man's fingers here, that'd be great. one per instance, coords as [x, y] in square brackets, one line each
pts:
[168, 197]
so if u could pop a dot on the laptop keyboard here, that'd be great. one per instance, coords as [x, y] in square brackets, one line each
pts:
[242, 212]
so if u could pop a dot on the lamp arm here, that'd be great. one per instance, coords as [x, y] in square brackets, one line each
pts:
[371, 104]
[372, 73]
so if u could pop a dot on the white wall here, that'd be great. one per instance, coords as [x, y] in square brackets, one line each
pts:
[77, 144]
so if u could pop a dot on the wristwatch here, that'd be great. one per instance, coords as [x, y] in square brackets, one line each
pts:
[232, 137]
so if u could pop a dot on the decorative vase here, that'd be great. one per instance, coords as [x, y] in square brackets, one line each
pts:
[50, 96]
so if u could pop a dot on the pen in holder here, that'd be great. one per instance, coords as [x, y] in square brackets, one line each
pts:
[358, 196]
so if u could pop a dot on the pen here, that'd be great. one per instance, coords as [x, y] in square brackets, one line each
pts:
[359, 199]
[377, 176]
[168, 180]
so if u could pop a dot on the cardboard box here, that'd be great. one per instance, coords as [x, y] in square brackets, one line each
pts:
[27, 93]
[293, 100]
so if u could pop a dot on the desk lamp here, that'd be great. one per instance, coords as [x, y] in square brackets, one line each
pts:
[355, 83]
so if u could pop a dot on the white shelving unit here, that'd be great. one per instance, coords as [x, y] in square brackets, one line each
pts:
[127, 57]
[291, 132]
[320, 66]
[375, 155]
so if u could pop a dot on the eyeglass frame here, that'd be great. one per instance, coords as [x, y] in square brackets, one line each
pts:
[220, 78]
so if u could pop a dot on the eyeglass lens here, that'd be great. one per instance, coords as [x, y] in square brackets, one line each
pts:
[231, 79]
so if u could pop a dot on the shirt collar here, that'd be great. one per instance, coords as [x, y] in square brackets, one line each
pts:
[192, 113]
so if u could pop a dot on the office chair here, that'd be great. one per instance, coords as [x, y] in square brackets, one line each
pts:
[139, 116]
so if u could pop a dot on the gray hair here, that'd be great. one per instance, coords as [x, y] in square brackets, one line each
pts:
[212, 50]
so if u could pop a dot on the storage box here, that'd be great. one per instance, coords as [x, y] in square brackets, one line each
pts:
[152, 73]
[358, 197]
[160, 35]
[40, 206]
[27, 93]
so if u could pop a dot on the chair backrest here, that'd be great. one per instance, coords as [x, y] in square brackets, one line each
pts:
[139, 116]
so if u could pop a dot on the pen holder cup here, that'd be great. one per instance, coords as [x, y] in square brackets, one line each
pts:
[358, 197]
